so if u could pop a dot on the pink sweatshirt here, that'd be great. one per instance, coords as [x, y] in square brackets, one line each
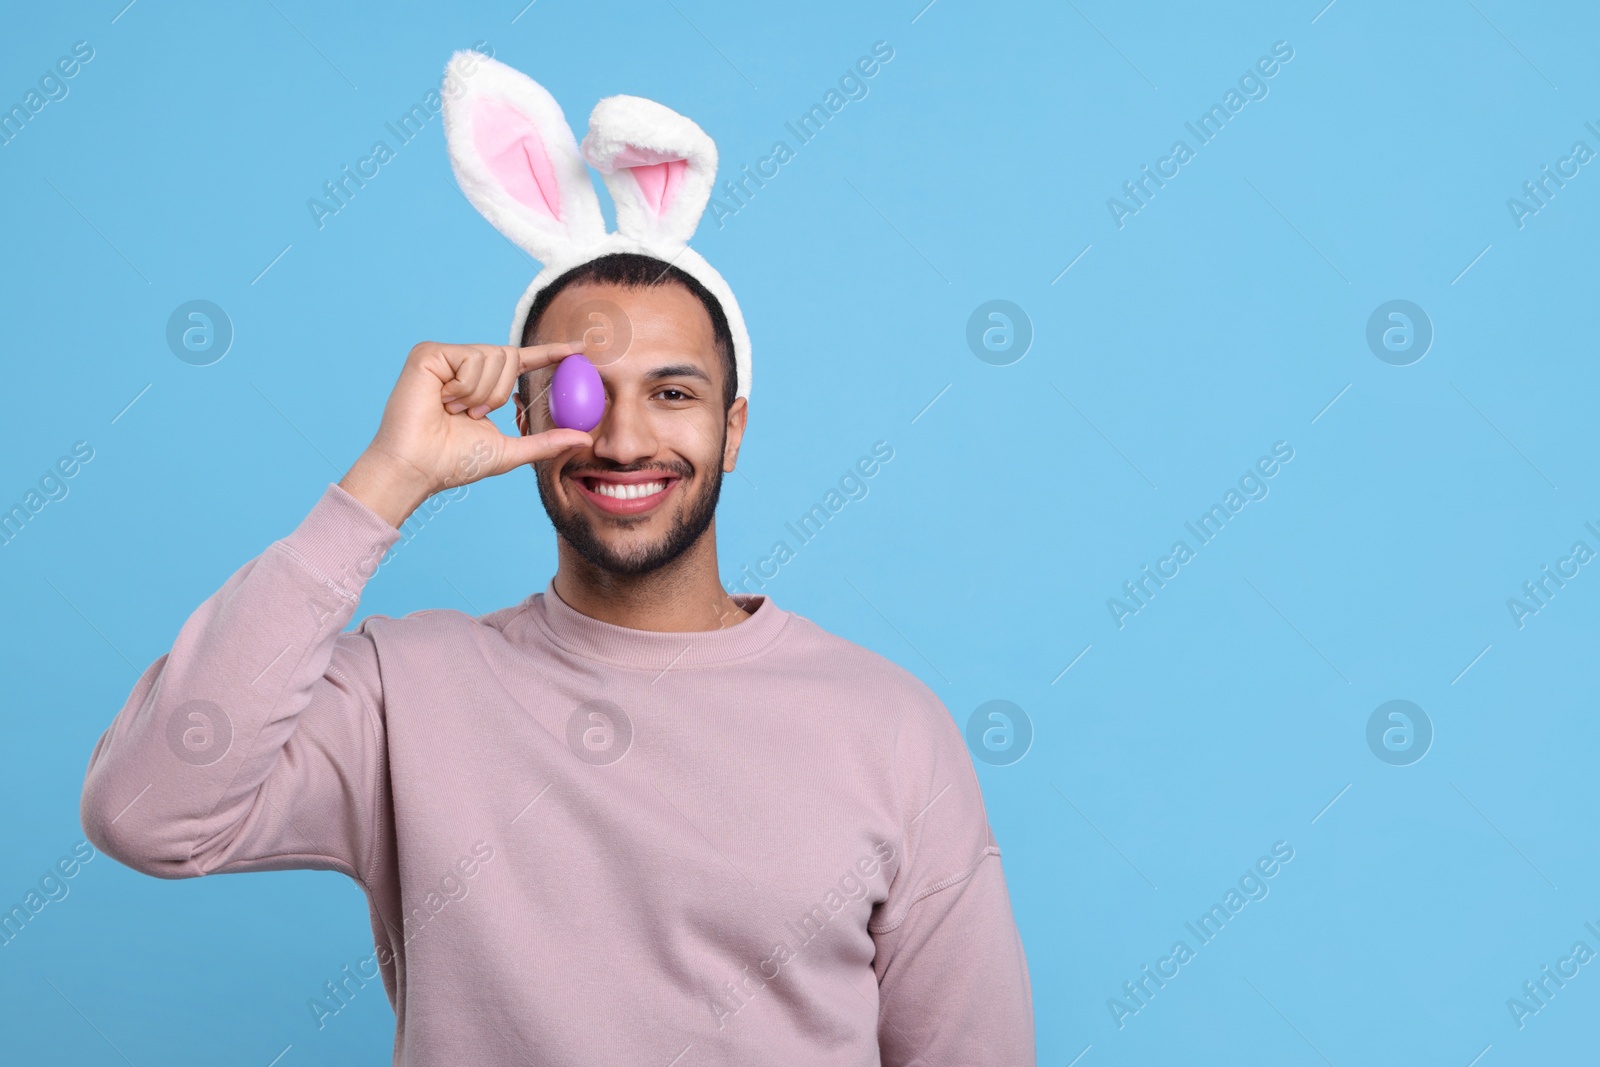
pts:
[582, 843]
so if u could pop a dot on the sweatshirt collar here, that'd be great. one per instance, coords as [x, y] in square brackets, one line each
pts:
[656, 650]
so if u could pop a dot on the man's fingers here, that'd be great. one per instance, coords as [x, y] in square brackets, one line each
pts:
[495, 392]
[466, 363]
[483, 376]
[496, 374]
[493, 386]
[532, 357]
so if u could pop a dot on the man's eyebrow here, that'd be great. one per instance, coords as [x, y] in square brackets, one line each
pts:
[678, 370]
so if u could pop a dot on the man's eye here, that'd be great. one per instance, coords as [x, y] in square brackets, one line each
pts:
[674, 394]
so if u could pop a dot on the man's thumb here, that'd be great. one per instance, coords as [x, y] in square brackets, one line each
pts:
[516, 451]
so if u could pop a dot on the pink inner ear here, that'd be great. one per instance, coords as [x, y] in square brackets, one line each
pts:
[511, 147]
[658, 182]
[658, 175]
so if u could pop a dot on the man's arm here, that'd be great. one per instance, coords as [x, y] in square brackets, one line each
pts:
[953, 984]
[256, 743]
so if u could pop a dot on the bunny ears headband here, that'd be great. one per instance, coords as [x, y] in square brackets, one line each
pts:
[520, 166]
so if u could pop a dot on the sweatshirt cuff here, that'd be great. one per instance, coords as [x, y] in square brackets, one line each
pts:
[341, 540]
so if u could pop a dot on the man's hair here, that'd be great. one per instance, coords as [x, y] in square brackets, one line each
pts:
[633, 270]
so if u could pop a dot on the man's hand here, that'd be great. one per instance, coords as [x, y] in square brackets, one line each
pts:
[436, 433]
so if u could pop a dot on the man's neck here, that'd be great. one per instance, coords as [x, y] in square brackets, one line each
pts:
[681, 597]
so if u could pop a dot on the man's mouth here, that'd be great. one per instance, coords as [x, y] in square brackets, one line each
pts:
[625, 491]
[625, 494]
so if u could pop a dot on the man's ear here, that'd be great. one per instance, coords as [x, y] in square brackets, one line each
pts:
[736, 420]
[516, 400]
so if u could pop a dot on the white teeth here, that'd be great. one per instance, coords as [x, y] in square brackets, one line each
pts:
[628, 492]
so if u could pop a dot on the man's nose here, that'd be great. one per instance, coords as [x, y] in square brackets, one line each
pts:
[625, 434]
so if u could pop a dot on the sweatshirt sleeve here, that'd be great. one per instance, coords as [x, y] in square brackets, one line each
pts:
[257, 742]
[953, 981]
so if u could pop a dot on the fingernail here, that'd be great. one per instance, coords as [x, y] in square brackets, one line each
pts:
[455, 408]
[449, 398]
[479, 411]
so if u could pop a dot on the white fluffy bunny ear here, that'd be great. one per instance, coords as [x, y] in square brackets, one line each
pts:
[516, 160]
[657, 164]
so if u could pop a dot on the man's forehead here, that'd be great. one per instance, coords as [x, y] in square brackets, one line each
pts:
[663, 310]
[633, 330]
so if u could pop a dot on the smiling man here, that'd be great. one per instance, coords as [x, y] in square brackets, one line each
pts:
[631, 818]
[627, 819]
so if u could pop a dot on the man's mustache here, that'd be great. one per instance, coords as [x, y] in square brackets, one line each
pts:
[586, 469]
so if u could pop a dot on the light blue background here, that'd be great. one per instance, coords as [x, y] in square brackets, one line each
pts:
[1223, 317]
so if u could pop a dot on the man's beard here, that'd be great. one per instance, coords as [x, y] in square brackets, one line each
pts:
[578, 531]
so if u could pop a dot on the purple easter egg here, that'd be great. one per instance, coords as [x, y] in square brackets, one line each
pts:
[577, 395]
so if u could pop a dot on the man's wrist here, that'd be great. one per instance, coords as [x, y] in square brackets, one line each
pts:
[373, 480]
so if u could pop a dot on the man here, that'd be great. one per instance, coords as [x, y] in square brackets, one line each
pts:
[630, 819]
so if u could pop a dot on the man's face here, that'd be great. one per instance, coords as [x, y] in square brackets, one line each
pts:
[648, 488]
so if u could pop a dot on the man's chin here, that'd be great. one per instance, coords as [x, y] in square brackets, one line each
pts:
[622, 556]
[616, 544]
